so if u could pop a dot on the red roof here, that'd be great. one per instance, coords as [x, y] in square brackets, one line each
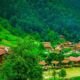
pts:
[2, 51]
[74, 59]
[78, 58]
[65, 61]
[55, 62]
[42, 63]
[47, 44]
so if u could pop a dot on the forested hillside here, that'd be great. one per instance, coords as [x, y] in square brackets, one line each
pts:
[39, 16]
[39, 39]
[8, 34]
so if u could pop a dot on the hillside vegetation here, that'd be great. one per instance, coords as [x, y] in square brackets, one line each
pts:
[37, 16]
[6, 37]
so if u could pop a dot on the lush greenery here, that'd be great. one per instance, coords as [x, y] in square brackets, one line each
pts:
[10, 35]
[31, 16]
[25, 24]
[75, 78]
[6, 36]
[22, 63]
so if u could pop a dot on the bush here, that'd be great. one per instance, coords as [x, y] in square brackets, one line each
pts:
[62, 73]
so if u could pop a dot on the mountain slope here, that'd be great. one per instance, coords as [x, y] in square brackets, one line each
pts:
[38, 16]
[10, 36]
[6, 37]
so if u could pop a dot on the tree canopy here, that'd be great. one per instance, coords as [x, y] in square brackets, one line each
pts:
[22, 63]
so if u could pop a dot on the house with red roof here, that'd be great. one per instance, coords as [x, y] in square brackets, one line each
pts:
[3, 50]
[48, 46]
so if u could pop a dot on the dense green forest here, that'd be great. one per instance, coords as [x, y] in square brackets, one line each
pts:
[39, 39]
[40, 16]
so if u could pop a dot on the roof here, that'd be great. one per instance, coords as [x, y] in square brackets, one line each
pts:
[42, 63]
[47, 44]
[67, 43]
[77, 46]
[59, 48]
[65, 61]
[3, 50]
[73, 59]
[55, 62]
[78, 59]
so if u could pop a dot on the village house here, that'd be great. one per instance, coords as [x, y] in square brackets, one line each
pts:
[67, 44]
[58, 48]
[77, 47]
[63, 45]
[75, 60]
[65, 62]
[55, 64]
[3, 50]
[43, 63]
[47, 46]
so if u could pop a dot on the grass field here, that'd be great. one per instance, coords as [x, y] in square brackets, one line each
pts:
[71, 72]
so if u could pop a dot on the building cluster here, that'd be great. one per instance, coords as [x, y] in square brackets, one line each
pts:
[67, 61]
[48, 46]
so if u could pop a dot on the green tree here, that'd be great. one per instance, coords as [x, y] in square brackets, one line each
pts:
[51, 57]
[60, 58]
[22, 63]
[62, 73]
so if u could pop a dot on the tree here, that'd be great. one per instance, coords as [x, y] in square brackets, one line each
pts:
[22, 63]
[60, 57]
[62, 73]
[51, 57]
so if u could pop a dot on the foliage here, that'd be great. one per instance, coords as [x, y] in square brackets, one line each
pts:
[39, 16]
[60, 57]
[75, 78]
[51, 57]
[55, 57]
[74, 54]
[6, 37]
[62, 73]
[22, 63]
[66, 50]
[9, 35]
